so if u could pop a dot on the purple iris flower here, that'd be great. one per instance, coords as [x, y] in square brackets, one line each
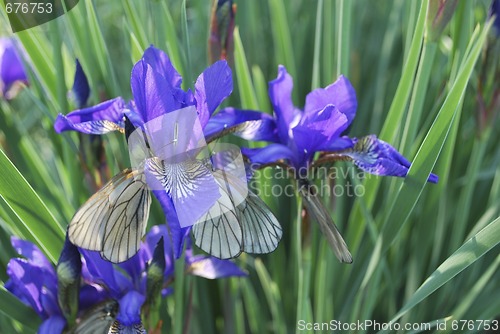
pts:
[297, 135]
[35, 282]
[156, 90]
[11, 67]
[127, 282]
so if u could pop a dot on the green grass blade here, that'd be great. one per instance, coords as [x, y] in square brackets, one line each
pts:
[244, 79]
[27, 205]
[409, 192]
[463, 257]
[396, 112]
[16, 310]
[281, 36]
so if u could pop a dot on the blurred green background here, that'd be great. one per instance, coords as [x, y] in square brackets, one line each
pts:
[422, 253]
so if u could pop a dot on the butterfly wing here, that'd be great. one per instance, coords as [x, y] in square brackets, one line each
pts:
[317, 210]
[228, 229]
[113, 221]
[98, 319]
[261, 230]
[219, 232]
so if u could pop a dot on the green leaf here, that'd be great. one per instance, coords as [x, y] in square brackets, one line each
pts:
[409, 192]
[244, 79]
[466, 255]
[30, 209]
[16, 310]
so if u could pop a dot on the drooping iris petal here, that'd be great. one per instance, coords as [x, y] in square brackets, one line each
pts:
[101, 271]
[81, 88]
[53, 325]
[31, 252]
[377, 157]
[337, 144]
[190, 185]
[99, 119]
[212, 268]
[91, 295]
[247, 124]
[48, 298]
[129, 312]
[340, 93]
[211, 88]
[280, 93]
[136, 265]
[269, 154]
[316, 129]
[26, 283]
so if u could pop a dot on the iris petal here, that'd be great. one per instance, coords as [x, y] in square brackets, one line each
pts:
[377, 157]
[162, 64]
[53, 325]
[99, 119]
[101, 271]
[26, 283]
[269, 154]
[280, 93]
[259, 126]
[81, 89]
[178, 233]
[11, 66]
[211, 88]
[340, 93]
[316, 129]
[130, 308]
[31, 252]
[212, 268]
[153, 93]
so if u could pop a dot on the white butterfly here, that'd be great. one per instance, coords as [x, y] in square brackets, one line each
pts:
[113, 221]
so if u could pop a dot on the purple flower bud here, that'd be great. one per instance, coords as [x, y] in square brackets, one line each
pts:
[220, 43]
[12, 71]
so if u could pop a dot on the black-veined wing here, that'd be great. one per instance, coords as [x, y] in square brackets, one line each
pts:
[319, 213]
[113, 221]
[118, 328]
[98, 319]
[239, 221]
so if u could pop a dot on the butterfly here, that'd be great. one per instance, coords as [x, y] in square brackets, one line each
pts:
[113, 221]
[319, 213]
